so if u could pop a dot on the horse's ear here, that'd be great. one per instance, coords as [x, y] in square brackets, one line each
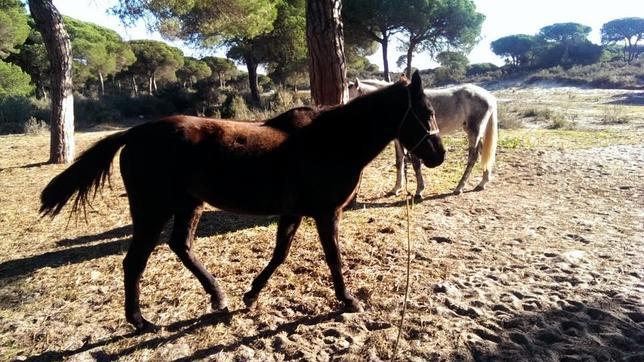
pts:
[416, 85]
[357, 83]
[404, 80]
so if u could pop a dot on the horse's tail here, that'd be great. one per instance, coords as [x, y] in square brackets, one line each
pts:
[88, 173]
[488, 151]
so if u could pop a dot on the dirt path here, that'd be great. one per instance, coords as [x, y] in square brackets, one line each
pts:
[547, 264]
[550, 266]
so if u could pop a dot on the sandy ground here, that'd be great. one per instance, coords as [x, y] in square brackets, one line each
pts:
[547, 264]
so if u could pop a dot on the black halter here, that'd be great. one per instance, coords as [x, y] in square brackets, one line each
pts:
[428, 132]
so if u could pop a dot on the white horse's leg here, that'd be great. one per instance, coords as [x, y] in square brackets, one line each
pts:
[488, 149]
[420, 183]
[472, 156]
[400, 167]
[487, 175]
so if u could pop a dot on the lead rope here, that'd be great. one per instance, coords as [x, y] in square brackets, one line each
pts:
[404, 309]
[407, 213]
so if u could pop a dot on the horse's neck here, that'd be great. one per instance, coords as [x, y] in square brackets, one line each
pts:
[361, 130]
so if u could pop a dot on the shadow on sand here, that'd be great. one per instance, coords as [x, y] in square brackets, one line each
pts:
[77, 251]
[181, 329]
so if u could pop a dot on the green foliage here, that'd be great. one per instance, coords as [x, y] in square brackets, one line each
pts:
[222, 67]
[357, 63]
[565, 33]
[366, 22]
[155, 60]
[287, 49]
[32, 59]
[98, 52]
[480, 68]
[193, 70]
[629, 30]
[436, 26]
[13, 81]
[13, 26]
[204, 22]
[518, 49]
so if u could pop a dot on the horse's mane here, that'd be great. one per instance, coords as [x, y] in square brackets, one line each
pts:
[292, 119]
[362, 104]
[300, 117]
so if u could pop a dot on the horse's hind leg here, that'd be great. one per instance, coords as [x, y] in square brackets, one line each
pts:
[286, 229]
[420, 182]
[472, 155]
[400, 168]
[147, 228]
[327, 226]
[186, 217]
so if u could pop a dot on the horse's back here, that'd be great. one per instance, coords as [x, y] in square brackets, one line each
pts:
[460, 106]
[292, 119]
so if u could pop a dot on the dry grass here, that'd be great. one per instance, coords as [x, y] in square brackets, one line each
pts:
[571, 108]
[61, 291]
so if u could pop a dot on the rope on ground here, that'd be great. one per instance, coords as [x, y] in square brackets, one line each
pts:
[408, 205]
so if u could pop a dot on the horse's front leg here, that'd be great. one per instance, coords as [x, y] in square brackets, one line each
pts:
[400, 168]
[286, 229]
[327, 226]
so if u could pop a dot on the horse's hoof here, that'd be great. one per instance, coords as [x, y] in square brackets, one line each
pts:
[219, 305]
[144, 327]
[458, 191]
[221, 311]
[394, 192]
[352, 306]
[249, 299]
[479, 188]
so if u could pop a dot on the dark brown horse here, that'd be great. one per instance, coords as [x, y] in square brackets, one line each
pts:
[301, 163]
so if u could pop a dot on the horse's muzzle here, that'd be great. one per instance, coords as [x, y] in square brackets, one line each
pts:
[435, 161]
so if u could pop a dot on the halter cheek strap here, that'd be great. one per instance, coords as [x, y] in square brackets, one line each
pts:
[432, 124]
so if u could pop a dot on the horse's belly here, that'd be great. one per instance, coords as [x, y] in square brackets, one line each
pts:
[256, 189]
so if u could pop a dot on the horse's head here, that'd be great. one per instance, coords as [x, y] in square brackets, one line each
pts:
[418, 131]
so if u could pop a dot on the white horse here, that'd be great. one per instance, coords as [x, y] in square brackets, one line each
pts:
[467, 106]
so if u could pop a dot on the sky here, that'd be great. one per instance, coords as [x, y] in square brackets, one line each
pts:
[502, 17]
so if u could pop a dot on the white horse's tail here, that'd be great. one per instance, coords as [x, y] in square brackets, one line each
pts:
[488, 151]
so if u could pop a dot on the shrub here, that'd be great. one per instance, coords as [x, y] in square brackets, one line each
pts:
[283, 100]
[235, 107]
[614, 115]
[507, 118]
[35, 126]
[90, 111]
[559, 121]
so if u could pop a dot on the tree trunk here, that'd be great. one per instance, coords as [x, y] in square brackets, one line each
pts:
[135, 87]
[150, 84]
[385, 61]
[410, 54]
[154, 82]
[221, 79]
[251, 65]
[327, 64]
[50, 25]
[100, 78]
